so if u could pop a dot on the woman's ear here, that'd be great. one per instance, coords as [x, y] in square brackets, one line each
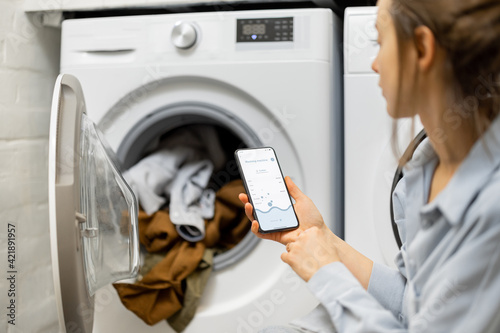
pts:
[425, 44]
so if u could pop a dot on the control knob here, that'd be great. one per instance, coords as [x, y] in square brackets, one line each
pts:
[184, 35]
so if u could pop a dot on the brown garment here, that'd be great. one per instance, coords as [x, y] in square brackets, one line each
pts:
[195, 285]
[160, 292]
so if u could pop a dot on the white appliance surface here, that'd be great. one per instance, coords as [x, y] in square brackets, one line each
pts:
[284, 94]
[369, 161]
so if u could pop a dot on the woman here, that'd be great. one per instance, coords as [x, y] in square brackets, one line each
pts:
[440, 60]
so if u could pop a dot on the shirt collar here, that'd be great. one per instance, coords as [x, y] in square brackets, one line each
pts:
[472, 175]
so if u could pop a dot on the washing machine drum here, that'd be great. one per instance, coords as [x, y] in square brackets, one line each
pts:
[156, 130]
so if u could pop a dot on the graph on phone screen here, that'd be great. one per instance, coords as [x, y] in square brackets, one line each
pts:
[267, 189]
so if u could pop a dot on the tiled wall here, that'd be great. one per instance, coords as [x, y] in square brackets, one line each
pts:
[29, 60]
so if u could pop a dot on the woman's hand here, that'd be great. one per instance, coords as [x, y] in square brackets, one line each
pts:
[313, 249]
[312, 245]
[306, 211]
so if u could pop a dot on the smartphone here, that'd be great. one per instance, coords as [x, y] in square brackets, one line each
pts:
[266, 189]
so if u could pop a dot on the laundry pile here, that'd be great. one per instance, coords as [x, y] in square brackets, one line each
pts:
[179, 170]
[182, 225]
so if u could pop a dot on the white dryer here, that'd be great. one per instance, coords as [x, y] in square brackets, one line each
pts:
[369, 160]
[263, 77]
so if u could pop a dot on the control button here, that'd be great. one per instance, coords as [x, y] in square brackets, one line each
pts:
[278, 33]
[285, 27]
[184, 35]
[277, 27]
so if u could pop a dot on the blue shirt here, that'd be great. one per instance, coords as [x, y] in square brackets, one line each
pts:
[448, 276]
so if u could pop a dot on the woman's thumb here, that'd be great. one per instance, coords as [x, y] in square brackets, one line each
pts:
[293, 189]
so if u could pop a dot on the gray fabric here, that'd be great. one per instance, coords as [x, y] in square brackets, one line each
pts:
[202, 139]
[180, 170]
[186, 210]
[151, 178]
[448, 268]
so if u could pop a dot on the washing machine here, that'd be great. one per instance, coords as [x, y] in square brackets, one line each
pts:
[264, 78]
[371, 163]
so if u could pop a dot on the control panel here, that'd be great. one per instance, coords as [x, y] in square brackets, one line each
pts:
[264, 30]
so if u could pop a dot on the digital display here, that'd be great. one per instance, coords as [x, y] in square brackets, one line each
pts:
[264, 30]
[266, 188]
[254, 29]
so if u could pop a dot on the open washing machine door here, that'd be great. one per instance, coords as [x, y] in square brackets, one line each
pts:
[93, 212]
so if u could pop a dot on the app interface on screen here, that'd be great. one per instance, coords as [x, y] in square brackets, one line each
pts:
[267, 189]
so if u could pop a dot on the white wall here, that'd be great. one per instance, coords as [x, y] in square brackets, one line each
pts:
[50, 5]
[29, 61]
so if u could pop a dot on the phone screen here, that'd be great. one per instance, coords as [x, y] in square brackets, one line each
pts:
[266, 189]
